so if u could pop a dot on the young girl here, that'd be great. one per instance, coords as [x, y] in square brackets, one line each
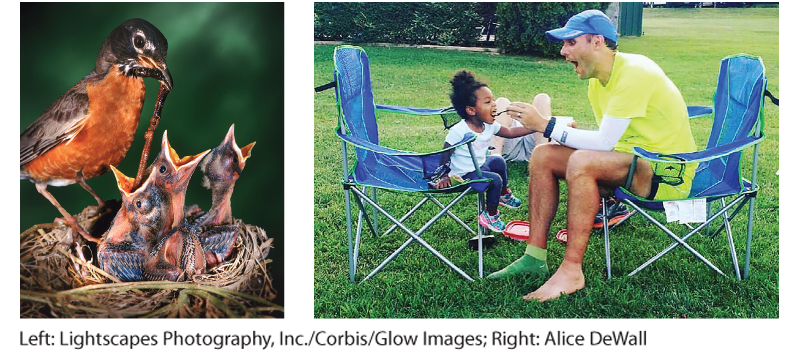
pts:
[474, 102]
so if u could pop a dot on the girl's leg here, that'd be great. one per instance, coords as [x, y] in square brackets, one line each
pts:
[497, 164]
[493, 192]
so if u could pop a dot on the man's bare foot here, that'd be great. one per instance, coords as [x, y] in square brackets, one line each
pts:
[565, 280]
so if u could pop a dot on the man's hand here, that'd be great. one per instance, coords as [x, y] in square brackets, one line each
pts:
[528, 116]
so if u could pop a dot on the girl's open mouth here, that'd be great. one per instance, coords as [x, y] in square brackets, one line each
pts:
[496, 114]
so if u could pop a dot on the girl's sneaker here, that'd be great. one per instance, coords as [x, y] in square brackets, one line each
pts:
[508, 200]
[490, 222]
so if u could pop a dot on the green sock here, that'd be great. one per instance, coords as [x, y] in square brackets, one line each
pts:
[534, 261]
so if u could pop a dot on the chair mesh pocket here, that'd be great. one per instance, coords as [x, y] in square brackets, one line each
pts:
[669, 173]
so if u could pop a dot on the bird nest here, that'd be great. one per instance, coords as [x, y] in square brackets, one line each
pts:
[55, 280]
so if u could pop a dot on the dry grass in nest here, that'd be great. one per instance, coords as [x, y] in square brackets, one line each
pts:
[55, 282]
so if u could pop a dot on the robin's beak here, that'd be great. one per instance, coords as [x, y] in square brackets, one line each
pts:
[157, 69]
[161, 73]
[167, 78]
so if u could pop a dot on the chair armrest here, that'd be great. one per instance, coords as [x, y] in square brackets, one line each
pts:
[699, 111]
[449, 115]
[367, 145]
[698, 156]
[414, 111]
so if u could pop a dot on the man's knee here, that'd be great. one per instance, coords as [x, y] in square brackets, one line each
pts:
[503, 119]
[542, 103]
[543, 155]
[541, 98]
[581, 163]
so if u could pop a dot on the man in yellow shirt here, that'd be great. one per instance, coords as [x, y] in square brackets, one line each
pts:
[635, 104]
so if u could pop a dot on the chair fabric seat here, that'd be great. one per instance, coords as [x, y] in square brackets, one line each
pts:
[399, 170]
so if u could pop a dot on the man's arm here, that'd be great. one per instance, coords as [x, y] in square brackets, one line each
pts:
[611, 130]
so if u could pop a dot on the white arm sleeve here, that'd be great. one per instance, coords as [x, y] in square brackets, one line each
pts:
[611, 129]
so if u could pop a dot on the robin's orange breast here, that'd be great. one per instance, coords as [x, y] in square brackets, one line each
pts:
[115, 106]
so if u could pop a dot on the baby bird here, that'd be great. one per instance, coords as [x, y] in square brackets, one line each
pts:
[149, 215]
[176, 257]
[221, 168]
[136, 226]
[171, 174]
[176, 253]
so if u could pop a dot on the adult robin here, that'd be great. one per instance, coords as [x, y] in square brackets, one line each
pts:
[90, 128]
[221, 168]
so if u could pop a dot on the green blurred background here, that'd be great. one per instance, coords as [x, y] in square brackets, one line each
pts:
[226, 62]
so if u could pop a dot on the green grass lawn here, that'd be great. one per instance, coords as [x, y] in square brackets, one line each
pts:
[416, 284]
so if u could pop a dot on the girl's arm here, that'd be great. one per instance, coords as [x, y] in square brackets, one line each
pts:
[444, 181]
[513, 132]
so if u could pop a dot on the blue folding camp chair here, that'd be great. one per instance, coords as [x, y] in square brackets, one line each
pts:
[738, 124]
[389, 169]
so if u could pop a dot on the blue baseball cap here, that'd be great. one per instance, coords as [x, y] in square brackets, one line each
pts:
[586, 22]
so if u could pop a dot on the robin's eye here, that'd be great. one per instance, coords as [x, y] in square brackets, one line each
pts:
[138, 41]
[138, 203]
[163, 169]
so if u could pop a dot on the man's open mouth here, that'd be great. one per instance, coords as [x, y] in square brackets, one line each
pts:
[574, 63]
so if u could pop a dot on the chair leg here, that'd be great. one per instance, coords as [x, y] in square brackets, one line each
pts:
[350, 257]
[359, 228]
[375, 212]
[606, 238]
[481, 205]
[363, 215]
[354, 249]
[749, 237]
[358, 239]
[730, 242]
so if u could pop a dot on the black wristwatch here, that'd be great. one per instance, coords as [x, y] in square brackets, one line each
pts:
[549, 129]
